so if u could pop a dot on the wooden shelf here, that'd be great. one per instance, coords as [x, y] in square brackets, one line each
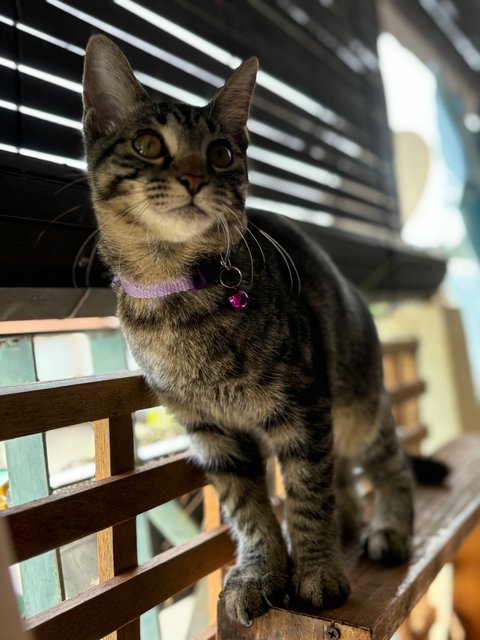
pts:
[382, 597]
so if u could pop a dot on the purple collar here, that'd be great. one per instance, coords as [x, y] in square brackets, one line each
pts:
[201, 277]
[165, 288]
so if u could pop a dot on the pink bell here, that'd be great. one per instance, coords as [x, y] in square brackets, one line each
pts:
[239, 300]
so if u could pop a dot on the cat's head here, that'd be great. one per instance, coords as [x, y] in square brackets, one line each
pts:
[165, 172]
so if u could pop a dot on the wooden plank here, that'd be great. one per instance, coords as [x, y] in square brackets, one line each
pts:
[212, 519]
[96, 612]
[397, 346]
[28, 479]
[382, 597]
[208, 634]
[407, 391]
[50, 405]
[390, 370]
[108, 351]
[466, 584]
[117, 545]
[409, 412]
[173, 522]
[16, 361]
[410, 437]
[149, 623]
[61, 518]
[9, 614]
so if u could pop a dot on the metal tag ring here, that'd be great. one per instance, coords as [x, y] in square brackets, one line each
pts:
[234, 284]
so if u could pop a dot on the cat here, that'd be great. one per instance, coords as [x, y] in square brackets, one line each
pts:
[247, 332]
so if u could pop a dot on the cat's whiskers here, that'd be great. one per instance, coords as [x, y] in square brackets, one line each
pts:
[78, 255]
[91, 260]
[70, 184]
[247, 228]
[249, 253]
[56, 219]
[285, 255]
[226, 232]
[94, 250]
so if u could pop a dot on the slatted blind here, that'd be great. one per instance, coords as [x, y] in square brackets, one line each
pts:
[320, 147]
[459, 22]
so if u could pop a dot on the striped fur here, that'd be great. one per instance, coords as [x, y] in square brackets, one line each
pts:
[297, 373]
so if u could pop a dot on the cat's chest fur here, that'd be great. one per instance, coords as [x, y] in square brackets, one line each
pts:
[205, 370]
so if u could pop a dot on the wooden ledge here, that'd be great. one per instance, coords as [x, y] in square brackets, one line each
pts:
[382, 597]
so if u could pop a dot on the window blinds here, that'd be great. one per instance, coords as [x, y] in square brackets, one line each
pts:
[320, 149]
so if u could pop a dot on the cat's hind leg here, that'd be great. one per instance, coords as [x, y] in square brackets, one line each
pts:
[235, 466]
[387, 538]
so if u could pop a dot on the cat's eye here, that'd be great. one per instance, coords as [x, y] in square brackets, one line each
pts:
[149, 145]
[219, 155]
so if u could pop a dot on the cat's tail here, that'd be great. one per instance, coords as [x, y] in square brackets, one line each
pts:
[428, 470]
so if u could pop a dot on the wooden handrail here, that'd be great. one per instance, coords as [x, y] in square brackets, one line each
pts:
[60, 403]
[108, 506]
[48, 523]
[112, 604]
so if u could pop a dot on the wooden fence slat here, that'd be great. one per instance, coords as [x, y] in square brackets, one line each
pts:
[207, 634]
[211, 519]
[9, 614]
[406, 391]
[399, 345]
[50, 405]
[63, 517]
[117, 545]
[149, 622]
[411, 437]
[42, 584]
[108, 606]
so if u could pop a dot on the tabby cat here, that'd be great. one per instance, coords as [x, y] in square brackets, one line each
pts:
[247, 332]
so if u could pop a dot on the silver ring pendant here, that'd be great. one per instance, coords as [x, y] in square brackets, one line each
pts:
[230, 283]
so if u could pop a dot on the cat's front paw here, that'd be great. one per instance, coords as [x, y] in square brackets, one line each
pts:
[323, 587]
[248, 594]
[388, 545]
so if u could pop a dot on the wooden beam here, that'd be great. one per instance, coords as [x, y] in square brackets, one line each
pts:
[212, 519]
[60, 403]
[9, 614]
[397, 346]
[407, 391]
[382, 597]
[117, 545]
[466, 584]
[411, 437]
[63, 517]
[100, 610]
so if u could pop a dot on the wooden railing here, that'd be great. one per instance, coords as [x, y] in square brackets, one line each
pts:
[108, 506]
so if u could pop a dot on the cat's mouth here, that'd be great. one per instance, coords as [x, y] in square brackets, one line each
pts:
[189, 210]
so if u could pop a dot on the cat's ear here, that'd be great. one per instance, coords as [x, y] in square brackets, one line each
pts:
[110, 90]
[231, 105]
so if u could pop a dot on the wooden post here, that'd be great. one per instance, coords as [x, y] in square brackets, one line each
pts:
[117, 545]
[9, 614]
[466, 583]
[410, 408]
[211, 519]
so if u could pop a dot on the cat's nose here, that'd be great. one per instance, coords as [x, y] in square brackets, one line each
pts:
[192, 183]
